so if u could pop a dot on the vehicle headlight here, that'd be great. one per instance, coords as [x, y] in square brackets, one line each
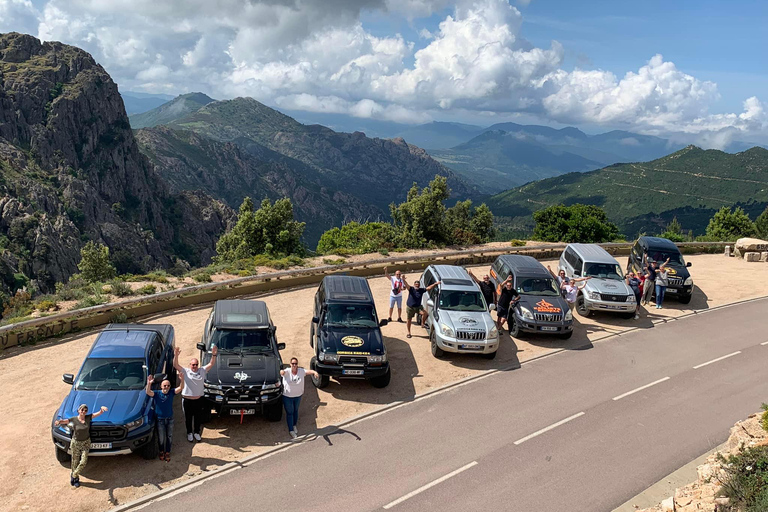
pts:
[447, 330]
[594, 295]
[65, 429]
[494, 332]
[688, 281]
[135, 424]
[568, 315]
[272, 386]
[329, 357]
[631, 297]
[211, 386]
[378, 359]
[526, 313]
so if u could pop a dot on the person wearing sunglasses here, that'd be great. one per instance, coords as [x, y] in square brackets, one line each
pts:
[80, 426]
[293, 388]
[192, 402]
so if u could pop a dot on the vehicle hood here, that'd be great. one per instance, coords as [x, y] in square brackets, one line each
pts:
[677, 270]
[356, 341]
[609, 286]
[467, 320]
[124, 406]
[248, 369]
[543, 303]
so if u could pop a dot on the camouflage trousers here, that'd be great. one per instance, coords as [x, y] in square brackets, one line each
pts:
[80, 451]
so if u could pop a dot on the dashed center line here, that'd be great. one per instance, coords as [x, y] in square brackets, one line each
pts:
[547, 429]
[429, 485]
[716, 360]
[640, 388]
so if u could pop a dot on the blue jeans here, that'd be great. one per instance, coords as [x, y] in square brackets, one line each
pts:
[165, 433]
[291, 404]
[660, 291]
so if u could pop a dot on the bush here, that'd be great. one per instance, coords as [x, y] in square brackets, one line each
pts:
[119, 318]
[283, 263]
[674, 232]
[764, 417]
[158, 276]
[147, 289]
[120, 288]
[202, 277]
[90, 301]
[94, 264]
[576, 223]
[517, 243]
[761, 225]
[18, 306]
[75, 289]
[384, 252]
[47, 305]
[745, 482]
[728, 226]
[331, 261]
[356, 238]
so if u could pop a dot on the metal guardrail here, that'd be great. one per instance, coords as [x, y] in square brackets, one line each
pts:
[69, 321]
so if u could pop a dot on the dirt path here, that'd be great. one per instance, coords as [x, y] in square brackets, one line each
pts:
[31, 376]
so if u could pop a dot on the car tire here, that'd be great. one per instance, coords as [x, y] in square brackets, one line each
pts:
[581, 306]
[492, 355]
[628, 316]
[514, 328]
[685, 299]
[62, 456]
[383, 380]
[566, 335]
[323, 380]
[274, 412]
[436, 350]
[151, 450]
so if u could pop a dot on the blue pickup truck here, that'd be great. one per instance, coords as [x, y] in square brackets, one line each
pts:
[114, 374]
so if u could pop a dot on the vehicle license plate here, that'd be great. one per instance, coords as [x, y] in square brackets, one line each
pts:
[352, 372]
[672, 290]
[547, 328]
[101, 446]
[471, 347]
[236, 412]
[612, 307]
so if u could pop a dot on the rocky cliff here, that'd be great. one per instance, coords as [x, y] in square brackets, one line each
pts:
[70, 171]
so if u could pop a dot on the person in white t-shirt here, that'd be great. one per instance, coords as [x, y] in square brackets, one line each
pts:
[293, 388]
[191, 396]
[396, 287]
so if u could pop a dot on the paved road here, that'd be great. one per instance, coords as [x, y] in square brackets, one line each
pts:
[580, 430]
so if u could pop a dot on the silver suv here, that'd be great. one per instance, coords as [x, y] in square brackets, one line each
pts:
[606, 291]
[457, 315]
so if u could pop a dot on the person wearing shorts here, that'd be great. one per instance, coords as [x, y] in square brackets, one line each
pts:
[396, 287]
[413, 306]
[507, 298]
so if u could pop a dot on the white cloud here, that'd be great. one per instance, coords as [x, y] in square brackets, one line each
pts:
[18, 16]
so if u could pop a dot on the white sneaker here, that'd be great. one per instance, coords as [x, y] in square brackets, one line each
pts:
[295, 430]
[189, 437]
[637, 317]
[294, 435]
[198, 438]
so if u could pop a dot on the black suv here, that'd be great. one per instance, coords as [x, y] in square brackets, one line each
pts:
[246, 376]
[652, 248]
[345, 333]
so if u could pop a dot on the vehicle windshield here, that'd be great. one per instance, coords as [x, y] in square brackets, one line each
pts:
[111, 374]
[356, 315]
[537, 286]
[603, 271]
[660, 257]
[456, 300]
[239, 340]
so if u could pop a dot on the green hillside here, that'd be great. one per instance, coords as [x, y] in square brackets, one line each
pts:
[691, 184]
[168, 112]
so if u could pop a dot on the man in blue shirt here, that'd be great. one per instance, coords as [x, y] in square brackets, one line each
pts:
[164, 410]
[413, 305]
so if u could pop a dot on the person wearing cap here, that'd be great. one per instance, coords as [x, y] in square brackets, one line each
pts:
[80, 426]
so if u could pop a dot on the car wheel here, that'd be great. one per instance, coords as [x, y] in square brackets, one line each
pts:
[274, 412]
[62, 456]
[566, 335]
[382, 381]
[436, 351]
[514, 328]
[492, 355]
[581, 306]
[685, 299]
[323, 380]
[150, 450]
[628, 315]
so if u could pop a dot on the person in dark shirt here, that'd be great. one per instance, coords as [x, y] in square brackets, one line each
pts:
[634, 282]
[413, 305]
[507, 299]
[164, 410]
[486, 287]
[650, 282]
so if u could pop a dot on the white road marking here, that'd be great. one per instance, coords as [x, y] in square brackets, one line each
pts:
[429, 485]
[640, 388]
[764, 343]
[716, 360]
[547, 429]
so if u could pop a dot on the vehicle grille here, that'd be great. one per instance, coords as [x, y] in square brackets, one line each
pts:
[106, 433]
[470, 335]
[353, 359]
[547, 317]
[236, 393]
[675, 282]
[613, 298]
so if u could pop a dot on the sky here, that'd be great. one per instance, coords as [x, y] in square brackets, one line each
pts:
[695, 71]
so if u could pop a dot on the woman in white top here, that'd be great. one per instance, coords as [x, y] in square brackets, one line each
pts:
[293, 388]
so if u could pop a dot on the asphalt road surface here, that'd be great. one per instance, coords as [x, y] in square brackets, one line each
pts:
[582, 430]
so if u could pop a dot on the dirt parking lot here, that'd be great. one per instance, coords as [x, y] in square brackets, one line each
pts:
[31, 378]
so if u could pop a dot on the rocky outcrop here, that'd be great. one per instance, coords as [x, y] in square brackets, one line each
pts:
[751, 247]
[72, 172]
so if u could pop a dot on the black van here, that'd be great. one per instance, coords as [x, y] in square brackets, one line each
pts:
[246, 377]
[345, 333]
[541, 309]
[652, 248]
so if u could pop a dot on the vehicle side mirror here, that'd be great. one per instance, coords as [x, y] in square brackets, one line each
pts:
[315, 320]
[430, 303]
[383, 322]
[492, 307]
[274, 328]
[68, 378]
[281, 346]
[688, 264]
[201, 347]
[577, 272]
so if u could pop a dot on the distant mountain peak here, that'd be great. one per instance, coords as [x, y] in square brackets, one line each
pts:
[178, 107]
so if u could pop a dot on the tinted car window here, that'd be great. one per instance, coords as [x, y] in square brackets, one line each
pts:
[455, 300]
[661, 256]
[537, 286]
[241, 341]
[111, 374]
[351, 316]
[603, 270]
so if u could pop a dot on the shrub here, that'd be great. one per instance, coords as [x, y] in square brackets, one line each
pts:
[332, 261]
[728, 226]
[158, 276]
[761, 225]
[384, 252]
[764, 417]
[75, 289]
[90, 301]
[202, 277]
[745, 481]
[18, 306]
[283, 263]
[120, 288]
[674, 232]
[356, 238]
[576, 223]
[147, 289]
[47, 305]
[94, 264]
[119, 318]
[517, 243]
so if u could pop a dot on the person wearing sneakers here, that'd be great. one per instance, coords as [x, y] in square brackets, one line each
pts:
[396, 287]
[80, 426]
[413, 306]
[191, 396]
[293, 388]
[662, 281]
[634, 283]
[650, 282]
[164, 411]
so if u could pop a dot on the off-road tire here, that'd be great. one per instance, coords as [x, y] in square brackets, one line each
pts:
[514, 328]
[581, 306]
[63, 457]
[151, 450]
[323, 380]
[383, 380]
[567, 335]
[436, 351]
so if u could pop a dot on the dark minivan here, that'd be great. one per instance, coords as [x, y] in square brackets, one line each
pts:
[345, 333]
[246, 378]
[541, 309]
[652, 248]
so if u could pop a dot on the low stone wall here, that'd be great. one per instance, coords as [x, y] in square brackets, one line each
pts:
[701, 495]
